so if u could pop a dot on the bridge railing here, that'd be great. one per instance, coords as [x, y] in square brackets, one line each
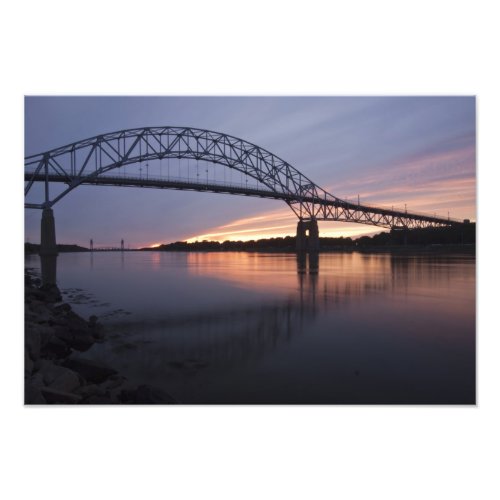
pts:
[199, 181]
[189, 180]
[262, 187]
[403, 211]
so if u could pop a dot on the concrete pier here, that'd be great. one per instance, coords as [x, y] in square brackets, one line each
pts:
[48, 247]
[307, 236]
[48, 244]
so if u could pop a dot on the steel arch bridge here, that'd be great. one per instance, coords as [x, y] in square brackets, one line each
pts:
[101, 160]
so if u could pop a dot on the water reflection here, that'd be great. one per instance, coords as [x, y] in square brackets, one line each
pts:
[303, 259]
[241, 327]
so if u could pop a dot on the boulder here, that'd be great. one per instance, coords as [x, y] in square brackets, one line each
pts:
[52, 371]
[67, 381]
[38, 312]
[98, 333]
[79, 339]
[33, 395]
[146, 395]
[46, 333]
[98, 400]
[36, 380]
[112, 383]
[51, 293]
[92, 371]
[90, 390]
[76, 321]
[56, 349]
[54, 396]
[62, 308]
[29, 365]
[32, 342]
[34, 293]
[115, 395]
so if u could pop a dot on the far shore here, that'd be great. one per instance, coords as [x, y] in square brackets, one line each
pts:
[450, 239]
[468, 248]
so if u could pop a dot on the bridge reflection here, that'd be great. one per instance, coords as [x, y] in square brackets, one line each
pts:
[226, 336]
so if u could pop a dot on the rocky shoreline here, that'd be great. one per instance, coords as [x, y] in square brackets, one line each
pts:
[55, 372]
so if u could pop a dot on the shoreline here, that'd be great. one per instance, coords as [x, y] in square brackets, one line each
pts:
[433, 248]
[54, 370]
[467, 248]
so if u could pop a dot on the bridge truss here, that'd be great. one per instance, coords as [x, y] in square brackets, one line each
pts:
[102, 160]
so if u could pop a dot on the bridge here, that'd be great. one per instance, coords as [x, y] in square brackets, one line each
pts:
[108, 248]
[137, 157]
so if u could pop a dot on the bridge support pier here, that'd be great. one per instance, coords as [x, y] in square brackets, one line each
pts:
[48, 247]
[307, 242]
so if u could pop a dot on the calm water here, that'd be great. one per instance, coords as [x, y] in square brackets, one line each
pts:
[267, 328]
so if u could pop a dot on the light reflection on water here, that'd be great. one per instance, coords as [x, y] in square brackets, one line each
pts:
[271, 328]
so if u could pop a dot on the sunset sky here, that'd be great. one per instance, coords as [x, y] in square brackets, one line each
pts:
[391, 151]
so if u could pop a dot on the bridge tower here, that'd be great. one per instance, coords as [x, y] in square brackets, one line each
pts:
[122, 246]
[307, 236]
[48, 247]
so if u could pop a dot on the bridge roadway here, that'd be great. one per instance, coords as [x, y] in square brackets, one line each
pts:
[326, 209]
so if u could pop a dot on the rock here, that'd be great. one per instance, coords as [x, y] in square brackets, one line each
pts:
[51, 293]
[36, 380]
[114, 395]
[90, 390]
[54, 396]
[29, 365]
[98, 333]
[33, 395]
[79, 339]
[51, 372]
[34, 293]
[76, 321]
[37, 364]
[55, 348]
[92, 320]
[62, 308]
[46, 333]
[68, 381]
[146, 394]
[39, 313]
[32, 342]
[92, 371]
[112, 383]
[98, 400]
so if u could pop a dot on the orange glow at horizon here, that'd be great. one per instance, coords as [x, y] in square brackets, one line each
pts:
[259, 227]
[432, 184]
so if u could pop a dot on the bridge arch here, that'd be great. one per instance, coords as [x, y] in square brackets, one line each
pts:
[87, 161]
[91, 160]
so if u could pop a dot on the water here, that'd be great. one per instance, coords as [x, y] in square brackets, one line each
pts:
[268, 328]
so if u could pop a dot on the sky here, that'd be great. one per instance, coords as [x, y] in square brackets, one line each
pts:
[389, 151]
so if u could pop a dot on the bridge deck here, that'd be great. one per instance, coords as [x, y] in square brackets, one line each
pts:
[327, 209]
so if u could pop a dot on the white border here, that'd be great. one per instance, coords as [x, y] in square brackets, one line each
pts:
[384, 47]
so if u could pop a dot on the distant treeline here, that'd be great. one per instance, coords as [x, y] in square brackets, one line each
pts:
[30, 248]
[465, 234]
[459, 235]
